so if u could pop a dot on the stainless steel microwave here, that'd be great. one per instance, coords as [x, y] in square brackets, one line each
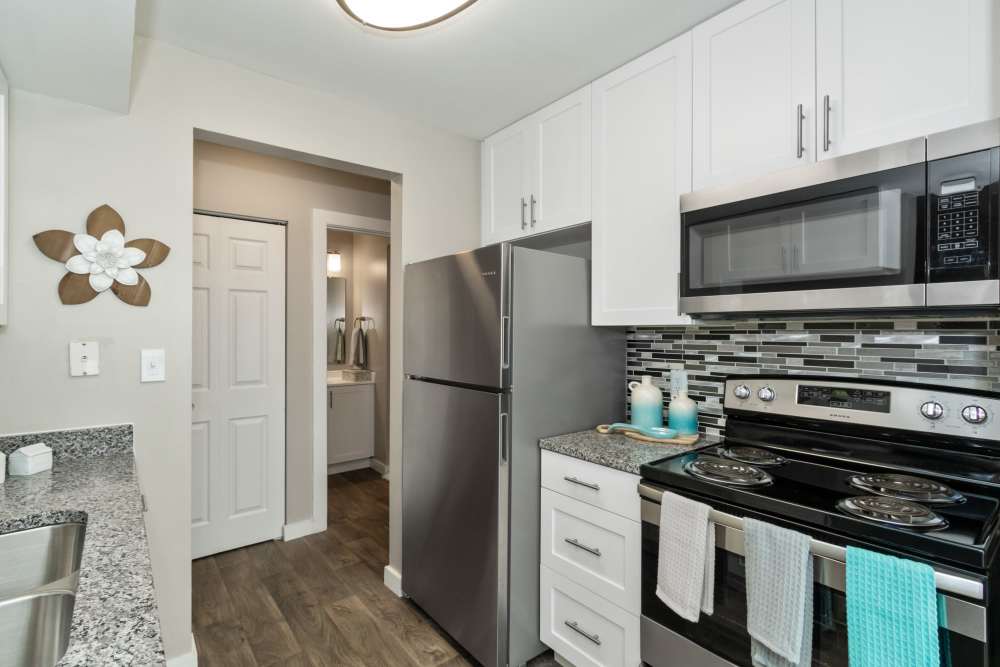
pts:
[911, 225]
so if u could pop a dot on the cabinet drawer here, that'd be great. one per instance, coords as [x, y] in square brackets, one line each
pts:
[593, 547]
[583, 627]
[609, 489]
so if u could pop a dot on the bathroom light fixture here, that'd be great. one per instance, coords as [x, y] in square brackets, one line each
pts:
[400, 15]
[332, 263]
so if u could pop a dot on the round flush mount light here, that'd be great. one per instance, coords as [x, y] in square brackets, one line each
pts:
[402, 15]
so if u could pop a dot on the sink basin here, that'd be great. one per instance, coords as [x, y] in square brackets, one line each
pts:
[38, 557]
[34, 629]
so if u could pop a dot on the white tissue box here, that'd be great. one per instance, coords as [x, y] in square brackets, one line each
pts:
[31, 459]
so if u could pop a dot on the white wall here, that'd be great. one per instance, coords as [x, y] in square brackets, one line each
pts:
[67, 159]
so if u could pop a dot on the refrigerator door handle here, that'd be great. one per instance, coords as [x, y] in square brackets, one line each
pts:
[505, 341]
[504, 432]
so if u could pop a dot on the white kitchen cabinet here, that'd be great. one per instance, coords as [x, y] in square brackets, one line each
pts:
[4, 178]
[641, 164]
[753, 76]
[350, 423]
[894, 71]
[506, 176]
[536, 172]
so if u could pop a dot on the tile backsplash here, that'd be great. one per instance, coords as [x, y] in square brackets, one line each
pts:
[959, 352]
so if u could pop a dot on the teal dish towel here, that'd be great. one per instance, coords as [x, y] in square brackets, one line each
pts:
[892, 611]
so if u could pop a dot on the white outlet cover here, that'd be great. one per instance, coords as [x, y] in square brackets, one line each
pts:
[153, 366]
[84, 358]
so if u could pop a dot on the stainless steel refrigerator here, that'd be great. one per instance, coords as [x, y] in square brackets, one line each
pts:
[498, 352]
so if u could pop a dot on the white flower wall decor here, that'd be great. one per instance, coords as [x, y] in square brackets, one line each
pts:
[101, 260]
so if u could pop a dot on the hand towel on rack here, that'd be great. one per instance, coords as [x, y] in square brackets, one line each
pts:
[359, 346]
[685, 572]
[779, 576]
[892, 611]
[340, 342]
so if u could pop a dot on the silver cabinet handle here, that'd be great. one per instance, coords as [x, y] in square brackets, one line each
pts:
[800, 117]
[574, 480]
[329, 398]
[575, 627]
[576, 543]
[533, 202]
[524, 205]
[826, 123]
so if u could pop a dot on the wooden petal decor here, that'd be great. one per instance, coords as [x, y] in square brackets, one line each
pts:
[103, 219]
[56, 244]
[155, 251]
[133, 295]
[75, 289]
[97, 261]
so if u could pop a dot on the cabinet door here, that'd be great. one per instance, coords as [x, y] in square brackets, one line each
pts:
[893, 72]
[753, 67]
[3, 198]
[350, 424]
[561, 186]
[506, 181]
[642, 163]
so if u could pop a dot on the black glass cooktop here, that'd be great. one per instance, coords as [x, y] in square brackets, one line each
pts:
[807, 487]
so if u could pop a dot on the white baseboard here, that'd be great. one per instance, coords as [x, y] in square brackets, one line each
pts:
[293, 531]
[380, 468]
[189, 659]
[393, 581]
[337, 468]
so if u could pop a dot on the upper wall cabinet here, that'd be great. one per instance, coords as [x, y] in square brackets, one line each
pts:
[888, 71]
[4, 178]
[753, 90]
[642, 164]
[536, 173]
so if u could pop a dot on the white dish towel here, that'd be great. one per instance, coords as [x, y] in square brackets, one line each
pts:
[779, 571]
[685, 573]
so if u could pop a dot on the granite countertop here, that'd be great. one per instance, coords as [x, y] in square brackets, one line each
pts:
[115, 619]
[614, 450]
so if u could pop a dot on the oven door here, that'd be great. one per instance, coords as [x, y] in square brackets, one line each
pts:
[721, 640]
[845, 233]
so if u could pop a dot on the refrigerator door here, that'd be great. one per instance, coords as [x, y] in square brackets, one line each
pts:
[454, 512]
[456, 318]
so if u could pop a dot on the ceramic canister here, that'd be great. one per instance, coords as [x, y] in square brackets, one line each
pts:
[647, 403]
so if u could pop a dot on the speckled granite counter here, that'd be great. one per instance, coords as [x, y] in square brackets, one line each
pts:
[615, 450]
[115, 620]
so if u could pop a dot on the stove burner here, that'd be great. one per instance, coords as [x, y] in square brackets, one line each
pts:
[721, 471]
[752, 456]
[907, 487]
[893, 511]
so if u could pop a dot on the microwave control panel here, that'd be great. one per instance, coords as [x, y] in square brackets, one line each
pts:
[958, 238]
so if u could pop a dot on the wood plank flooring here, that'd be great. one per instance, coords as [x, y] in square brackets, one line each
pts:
[318, 600]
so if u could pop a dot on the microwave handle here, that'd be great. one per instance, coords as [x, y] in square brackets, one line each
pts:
[944, 581]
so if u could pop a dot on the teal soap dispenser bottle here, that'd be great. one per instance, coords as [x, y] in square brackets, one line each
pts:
[682, 415]
[647, 403]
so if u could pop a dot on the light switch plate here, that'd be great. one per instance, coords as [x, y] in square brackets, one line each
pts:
[84, 358]
[154, 366]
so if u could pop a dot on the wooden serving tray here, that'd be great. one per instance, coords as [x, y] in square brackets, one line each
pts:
[679, 440]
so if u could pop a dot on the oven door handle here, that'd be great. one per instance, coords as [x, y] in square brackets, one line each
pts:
[730, 538]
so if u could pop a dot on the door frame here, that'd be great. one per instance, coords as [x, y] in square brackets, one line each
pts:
[284, 224]
[322, 220]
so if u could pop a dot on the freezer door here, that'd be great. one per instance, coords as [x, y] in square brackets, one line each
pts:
[455, 317]
[454, 503]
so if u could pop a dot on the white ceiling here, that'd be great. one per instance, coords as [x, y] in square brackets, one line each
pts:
[80, 51]
[477, 72]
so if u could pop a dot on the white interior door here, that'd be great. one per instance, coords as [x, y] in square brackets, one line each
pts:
[238, 384]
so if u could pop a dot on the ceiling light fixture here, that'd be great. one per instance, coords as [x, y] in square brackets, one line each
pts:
[401, 15]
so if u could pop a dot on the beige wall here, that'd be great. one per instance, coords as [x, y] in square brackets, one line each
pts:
[231, 180]
[68, 158]
[371, 298]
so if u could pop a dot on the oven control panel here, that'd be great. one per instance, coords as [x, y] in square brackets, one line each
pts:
[915, 408]
[958, 240]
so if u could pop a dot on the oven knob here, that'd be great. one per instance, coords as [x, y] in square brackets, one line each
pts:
[741, 392]
[974, 414]
[932, 410]
[765, 394]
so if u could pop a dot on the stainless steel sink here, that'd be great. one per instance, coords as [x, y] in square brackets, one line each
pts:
[39, 556]
[34, 628]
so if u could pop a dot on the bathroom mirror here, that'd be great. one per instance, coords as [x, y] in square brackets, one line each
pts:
[336, 324]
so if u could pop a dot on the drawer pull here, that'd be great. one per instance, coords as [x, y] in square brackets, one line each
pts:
[575, 627]
[576, 543]
[589, 485]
